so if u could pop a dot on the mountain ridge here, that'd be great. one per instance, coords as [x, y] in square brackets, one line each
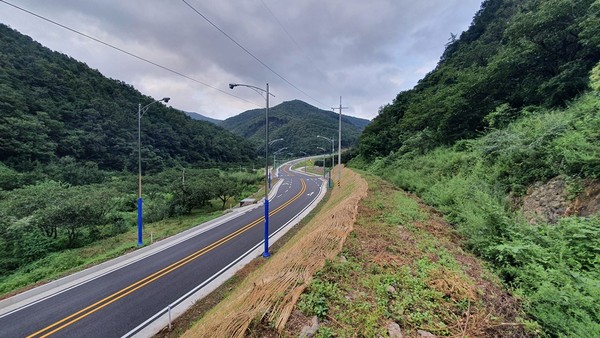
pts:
[515, 54]
[299, 124]
[200, 117]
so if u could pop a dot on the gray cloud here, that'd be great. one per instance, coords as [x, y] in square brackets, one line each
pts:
[366, 51]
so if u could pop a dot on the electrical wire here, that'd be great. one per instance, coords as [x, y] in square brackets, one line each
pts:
[127, 53]
[249, 53]
[314, 64]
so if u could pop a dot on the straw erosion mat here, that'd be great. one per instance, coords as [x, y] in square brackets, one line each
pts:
[270, 293]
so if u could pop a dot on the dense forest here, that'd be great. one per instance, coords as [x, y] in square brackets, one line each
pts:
[298, 123]
[511, 111]
[54, 108]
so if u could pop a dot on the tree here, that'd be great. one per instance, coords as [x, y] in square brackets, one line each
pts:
[515, 54]
[225, 187]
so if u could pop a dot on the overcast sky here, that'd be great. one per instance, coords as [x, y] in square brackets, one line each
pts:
[365, 51]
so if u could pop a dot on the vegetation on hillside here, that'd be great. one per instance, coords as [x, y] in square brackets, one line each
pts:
[68, 158]
[298, 123]
[554, 267]
[509, 105]
[402, 265]
[53, 107]
[515, 55]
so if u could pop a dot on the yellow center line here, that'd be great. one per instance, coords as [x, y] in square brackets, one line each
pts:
[287, 170]
[149, 279]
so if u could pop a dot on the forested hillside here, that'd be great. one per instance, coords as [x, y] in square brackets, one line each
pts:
[503, 137]
[298, 123]
[515, 56]
[53, 107]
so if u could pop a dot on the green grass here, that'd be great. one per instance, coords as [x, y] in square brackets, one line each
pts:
[302, 164]
[310, 167]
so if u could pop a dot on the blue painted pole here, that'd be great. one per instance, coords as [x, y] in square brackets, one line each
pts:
[267, 174]
[266, 251]
[140, 240]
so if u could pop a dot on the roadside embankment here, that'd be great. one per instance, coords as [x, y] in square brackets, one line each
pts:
[269, 294]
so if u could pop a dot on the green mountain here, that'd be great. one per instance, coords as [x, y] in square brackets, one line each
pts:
[515, 54]
[200, 117]
[299, 124]
[53, 107]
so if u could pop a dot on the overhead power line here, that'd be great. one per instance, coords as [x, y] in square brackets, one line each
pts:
[249, 53]
[314, 64]
[127, 53]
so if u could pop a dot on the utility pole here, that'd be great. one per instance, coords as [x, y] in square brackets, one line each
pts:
[340, 142]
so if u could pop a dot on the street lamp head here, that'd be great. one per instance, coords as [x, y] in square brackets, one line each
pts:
[166, 99]
[232, 85]
[273, 141]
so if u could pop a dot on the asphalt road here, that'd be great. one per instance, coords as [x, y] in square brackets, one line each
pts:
[114, 304]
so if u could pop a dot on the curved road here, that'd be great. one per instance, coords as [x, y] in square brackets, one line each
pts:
[114, 304]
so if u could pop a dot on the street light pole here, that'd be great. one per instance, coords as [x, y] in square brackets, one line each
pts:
[141, 112]
[260, 90]
[275, 154]
[332, 140]
[305, 155]
[324, 151]
[340, 142]
[270, 144]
